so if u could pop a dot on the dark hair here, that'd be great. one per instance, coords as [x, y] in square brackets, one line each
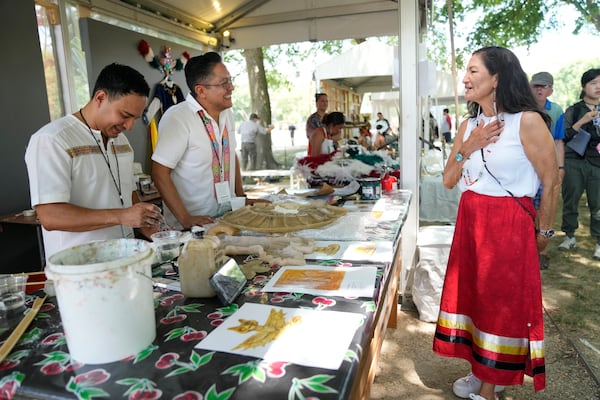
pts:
[446, 110]
[318, 95]
[200, 68]
[120, 80]
[513, 93]
[587, 76]
[334, 118]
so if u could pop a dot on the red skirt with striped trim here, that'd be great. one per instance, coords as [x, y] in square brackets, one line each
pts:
[491, 307]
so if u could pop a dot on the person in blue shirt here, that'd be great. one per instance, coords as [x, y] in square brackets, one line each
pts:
[542, 87]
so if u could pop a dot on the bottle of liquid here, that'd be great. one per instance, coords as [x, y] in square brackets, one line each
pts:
[199, 259]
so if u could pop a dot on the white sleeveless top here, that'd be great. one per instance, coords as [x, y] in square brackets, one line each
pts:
[505, 159]
[327, 146]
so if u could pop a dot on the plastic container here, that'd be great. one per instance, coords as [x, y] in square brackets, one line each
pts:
[370, 188]
[199, 260]
[12, 295]
[389, 182]
[104, 294]
[167, 245]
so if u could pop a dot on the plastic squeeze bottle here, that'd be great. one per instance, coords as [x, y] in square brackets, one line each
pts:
[198, 262]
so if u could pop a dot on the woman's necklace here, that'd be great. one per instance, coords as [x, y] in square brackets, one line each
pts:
[107, 161]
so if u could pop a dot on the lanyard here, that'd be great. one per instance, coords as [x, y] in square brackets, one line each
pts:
[220, 164]
[107, 160]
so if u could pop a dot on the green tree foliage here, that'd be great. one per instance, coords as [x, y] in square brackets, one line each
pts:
[266, 75]
[589, 11]
[507, 23]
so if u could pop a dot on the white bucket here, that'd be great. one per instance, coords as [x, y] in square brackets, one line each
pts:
[104, 293]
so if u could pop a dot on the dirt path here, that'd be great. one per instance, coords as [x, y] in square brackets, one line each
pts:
[408, 368]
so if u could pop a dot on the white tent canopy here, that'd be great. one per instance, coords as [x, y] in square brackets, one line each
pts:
[369, 67]
[257, 23]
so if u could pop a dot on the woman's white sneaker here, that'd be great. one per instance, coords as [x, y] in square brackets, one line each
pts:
[468, 385]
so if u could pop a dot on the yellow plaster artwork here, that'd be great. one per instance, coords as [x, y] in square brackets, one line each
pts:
[329, 249]
[252, 267]
[266, 333]
[311, 279]
[368, 249]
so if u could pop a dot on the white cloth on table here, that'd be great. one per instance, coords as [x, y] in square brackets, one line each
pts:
[436, 202]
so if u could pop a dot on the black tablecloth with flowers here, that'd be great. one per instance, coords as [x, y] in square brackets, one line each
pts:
[40, 366]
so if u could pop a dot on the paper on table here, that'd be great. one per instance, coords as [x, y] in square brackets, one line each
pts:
[381, 210]
[322, 280]
[306, 337]
[377, 252]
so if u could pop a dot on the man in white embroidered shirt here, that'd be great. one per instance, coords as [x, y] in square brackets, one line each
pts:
[81, 167]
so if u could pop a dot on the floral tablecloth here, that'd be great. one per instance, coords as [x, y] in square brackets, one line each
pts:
[170, 368]
[40, 366]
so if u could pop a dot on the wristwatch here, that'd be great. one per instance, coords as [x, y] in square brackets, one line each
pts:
[547, 233]
[459, 157]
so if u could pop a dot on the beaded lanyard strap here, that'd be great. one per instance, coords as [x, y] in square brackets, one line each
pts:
[217, 168]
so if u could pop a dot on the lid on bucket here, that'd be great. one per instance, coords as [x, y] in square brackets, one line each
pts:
[99, 256]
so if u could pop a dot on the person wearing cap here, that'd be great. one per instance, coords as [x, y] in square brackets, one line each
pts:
[324, 139]
[249, 130]
[542, 87]
[582, 171]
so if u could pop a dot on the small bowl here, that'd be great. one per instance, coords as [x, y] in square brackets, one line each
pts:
[166, 245]
[29, 213]
[12, 294]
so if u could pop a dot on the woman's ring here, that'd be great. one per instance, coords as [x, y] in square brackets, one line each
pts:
[487, 138]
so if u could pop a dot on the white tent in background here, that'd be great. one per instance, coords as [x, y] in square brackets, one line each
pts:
[368, 69]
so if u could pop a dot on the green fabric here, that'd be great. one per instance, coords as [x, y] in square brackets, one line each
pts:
[369, 159]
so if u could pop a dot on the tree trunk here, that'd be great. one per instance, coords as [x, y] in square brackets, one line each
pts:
[454, 71]
[261, 104]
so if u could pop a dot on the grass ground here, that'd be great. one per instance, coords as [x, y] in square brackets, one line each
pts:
[572, 290]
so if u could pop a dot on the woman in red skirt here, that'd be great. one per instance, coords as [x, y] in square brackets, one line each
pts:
[491, 306]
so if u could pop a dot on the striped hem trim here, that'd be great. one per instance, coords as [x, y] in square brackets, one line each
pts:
[462, 325]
